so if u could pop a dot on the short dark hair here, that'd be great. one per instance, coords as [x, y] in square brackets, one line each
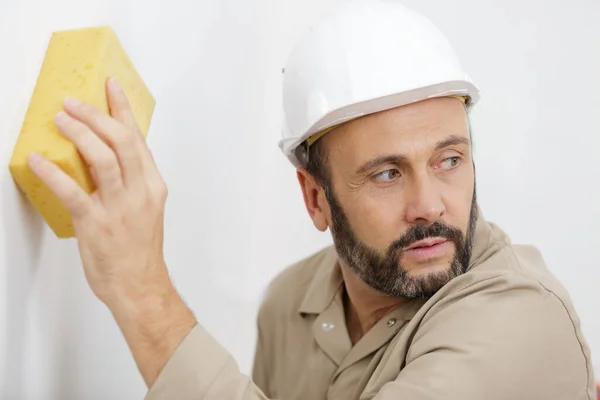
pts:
[317, 164]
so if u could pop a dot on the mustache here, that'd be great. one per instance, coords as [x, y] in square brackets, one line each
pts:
[420, 232]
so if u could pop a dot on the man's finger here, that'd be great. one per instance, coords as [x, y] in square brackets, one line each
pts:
[98, 154]
[121, 110]
[122, 140]
[119, 105]
[74, 198]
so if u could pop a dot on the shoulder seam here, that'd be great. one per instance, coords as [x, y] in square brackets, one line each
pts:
[587, 361]
[577, 336]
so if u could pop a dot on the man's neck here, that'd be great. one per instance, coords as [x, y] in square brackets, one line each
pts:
[363, 306]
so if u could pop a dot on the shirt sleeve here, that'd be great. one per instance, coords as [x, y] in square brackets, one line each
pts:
[504, 341]
[201, 368]
[496, 340]
[261, 368]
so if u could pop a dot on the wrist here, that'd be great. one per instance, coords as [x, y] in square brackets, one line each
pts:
[135, 300]
[126, 292]
[152, 308]
[154, 322]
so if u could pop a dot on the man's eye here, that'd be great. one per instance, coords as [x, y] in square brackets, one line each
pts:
[388, 175]
[450, 162]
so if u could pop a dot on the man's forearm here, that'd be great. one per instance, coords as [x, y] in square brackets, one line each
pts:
[154, 325]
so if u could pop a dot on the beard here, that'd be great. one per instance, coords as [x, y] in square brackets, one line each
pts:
[384, 272]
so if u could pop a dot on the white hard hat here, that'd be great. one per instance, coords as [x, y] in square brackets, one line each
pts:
[367, 56]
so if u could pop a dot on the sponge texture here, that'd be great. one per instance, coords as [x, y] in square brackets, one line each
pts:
[77, 64]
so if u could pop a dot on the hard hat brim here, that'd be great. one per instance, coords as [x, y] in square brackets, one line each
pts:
[295, 152]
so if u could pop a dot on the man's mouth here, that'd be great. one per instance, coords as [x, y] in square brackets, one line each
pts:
[427, 248]
[429, 242]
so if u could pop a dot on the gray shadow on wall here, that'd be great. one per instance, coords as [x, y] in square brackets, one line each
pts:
[68, 370]
[23, 228]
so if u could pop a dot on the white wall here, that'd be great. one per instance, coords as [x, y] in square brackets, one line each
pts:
[235, 215]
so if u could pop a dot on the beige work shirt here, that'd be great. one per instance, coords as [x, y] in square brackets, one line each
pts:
[505, 330]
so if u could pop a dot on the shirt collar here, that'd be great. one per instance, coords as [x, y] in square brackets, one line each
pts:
[324, 285]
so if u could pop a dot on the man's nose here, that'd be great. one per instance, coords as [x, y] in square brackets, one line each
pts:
[425, 204]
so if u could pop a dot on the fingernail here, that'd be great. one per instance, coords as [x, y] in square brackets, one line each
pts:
[61, 117]
[114, 83]
[34, 159]
[71, 102]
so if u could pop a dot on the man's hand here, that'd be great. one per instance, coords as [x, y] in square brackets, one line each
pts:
[119, 227]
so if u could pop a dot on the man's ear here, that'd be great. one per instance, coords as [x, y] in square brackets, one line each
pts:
[314, 199]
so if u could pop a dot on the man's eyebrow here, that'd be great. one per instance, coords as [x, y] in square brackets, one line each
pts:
[381, 160]
[399, 158]
[451, 141]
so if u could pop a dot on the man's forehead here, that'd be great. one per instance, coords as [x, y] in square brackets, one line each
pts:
[417, 127]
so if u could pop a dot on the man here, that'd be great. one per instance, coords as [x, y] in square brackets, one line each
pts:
[419, 298]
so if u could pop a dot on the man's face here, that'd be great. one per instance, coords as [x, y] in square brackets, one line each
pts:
[401, 196]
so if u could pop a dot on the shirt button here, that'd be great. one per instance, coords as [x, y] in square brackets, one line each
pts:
[391, 322]
[327, 326]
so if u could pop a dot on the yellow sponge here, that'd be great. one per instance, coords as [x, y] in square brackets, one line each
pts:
[77, 63]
